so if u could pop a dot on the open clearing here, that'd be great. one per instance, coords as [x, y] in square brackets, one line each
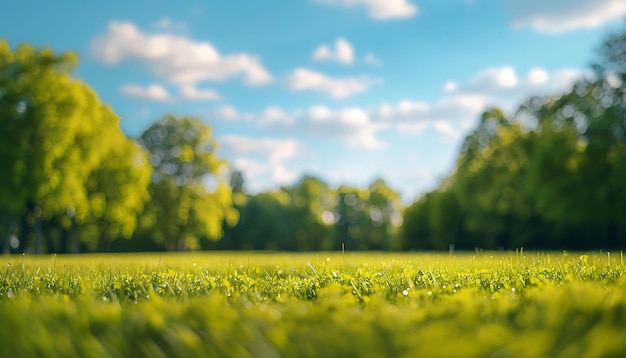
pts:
[314, 305]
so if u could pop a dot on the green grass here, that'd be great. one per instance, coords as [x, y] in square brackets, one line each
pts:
[313, 305]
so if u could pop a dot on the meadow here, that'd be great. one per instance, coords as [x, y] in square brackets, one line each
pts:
[491, 304]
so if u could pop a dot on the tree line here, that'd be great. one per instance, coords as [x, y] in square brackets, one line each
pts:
[72, 181]
[550, 176]
[310, 215]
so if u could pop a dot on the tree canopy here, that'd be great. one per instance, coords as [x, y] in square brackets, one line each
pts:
[56, 137]
[550, 175]
[191, 196]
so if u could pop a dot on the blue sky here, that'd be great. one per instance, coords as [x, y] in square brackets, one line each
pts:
[347, 90]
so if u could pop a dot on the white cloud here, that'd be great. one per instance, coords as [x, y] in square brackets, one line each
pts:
[153, 92]
[192, 93]
[449, 133]
[158, 93]
[270, 156]
[506, 85]
[252, 168]
[303, 79]
[372, 59]
[461, 108]
[493, 79]
[450, 87]
[274, 114]
[538, 76]
[458, 112]
[359, 127]
[379, 9]
[385, 111]
[275, 150]
[319, 113]
[353, 125]
[449, 117]
[559, 16]
[563, 79]
[175, 59]
[342, 53]
[227, 112]
[407, 107]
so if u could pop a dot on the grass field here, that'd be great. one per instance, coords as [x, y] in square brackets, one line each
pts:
[493, 304]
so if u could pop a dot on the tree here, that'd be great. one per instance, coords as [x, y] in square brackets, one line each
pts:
[384, 208]
[118, 191]
[579, 164]
[491, 179]
[55, 133]
[416, 230]
[551, 176]
[264, 224]
[190, 194]
[311, 202]
[368, 219]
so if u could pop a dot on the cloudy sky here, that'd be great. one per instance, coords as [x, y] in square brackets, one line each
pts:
[347, 90]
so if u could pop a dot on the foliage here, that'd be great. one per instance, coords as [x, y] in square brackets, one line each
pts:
[56, 135]
[119, 191]
[262, 224]
[312, 216]
[190, 196]
[504, 304]
[548, 176]
[308, 201]
[368, 219]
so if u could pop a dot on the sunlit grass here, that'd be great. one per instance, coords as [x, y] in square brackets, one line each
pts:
[314, 304]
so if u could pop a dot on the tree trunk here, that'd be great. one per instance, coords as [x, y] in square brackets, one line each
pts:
[8, 225]
[25, 231]
[74, 238]
[63, 241]
[104, 243]
[38, 235]
[48, 238]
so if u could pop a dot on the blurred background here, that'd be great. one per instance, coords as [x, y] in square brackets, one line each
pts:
[312, 125]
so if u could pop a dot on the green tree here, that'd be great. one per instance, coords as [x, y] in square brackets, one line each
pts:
[310, 208]
[191, 197]
[579, 163]
[55, 133]
[264, 224]
[383, 217]
[351, 215]
[416, 230]
[118, 191]
[491, 178]
[367, 219]
[435, 222]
